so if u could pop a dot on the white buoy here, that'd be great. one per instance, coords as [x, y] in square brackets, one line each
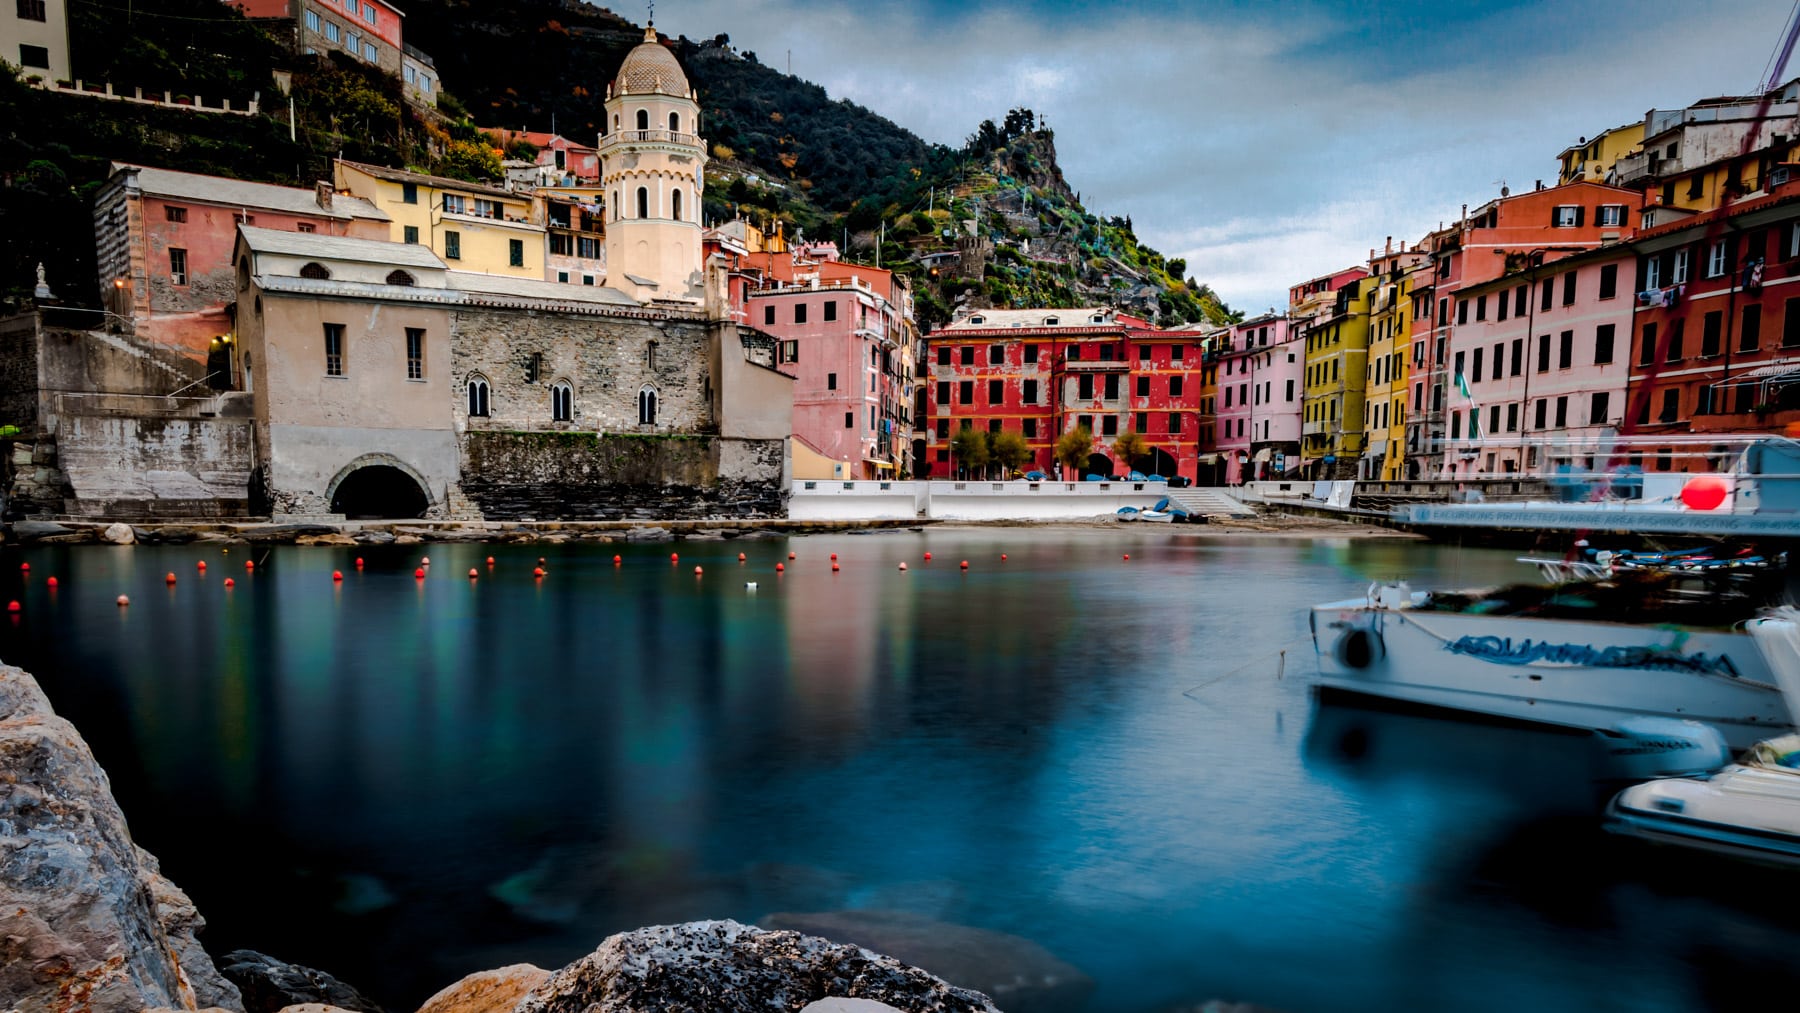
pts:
[749, 585]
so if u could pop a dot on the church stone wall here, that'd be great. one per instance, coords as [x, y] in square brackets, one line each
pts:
[581, 476]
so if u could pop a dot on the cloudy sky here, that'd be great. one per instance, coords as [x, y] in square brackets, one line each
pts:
[1266, 141]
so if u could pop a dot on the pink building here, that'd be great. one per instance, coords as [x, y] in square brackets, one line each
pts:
[554, 151]
[844, 332]
[165, 242]
[1545, 352]
[369, 30]
[1261, 376]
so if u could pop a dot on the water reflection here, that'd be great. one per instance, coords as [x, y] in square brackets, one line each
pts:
[404, 781]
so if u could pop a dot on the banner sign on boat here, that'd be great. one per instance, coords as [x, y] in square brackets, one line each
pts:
[1504, 651]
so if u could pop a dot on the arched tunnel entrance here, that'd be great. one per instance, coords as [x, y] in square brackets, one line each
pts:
[1098, 464]
[379, 492]
[1161, 463]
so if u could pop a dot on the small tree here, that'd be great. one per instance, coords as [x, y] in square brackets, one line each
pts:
[1130, 447]
[971, 449]
[1009, 450]
[1072, 449]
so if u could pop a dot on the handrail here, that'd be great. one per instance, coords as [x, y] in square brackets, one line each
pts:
[190, 386]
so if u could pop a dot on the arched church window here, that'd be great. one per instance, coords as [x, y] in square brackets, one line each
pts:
[675, 205]
[643, 202]
[562, 401]
[647, 406]
[478, 397]
[643, 119]
[674, 123]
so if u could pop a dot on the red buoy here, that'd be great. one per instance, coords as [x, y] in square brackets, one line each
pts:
[359, 562]
[1127, 557]
[779, 568]
[490, 560]
[790, 555]
[249, 564]
[123, 601]
[337, 575]
[51, 583]
[537, 571]
[965, 564]
[201, 566]
[741, 557]
[674, 557]
[230, 583]
[616, 560]
[696, 571]
[170, 579]
[928, 557]
[834, 557]
[472, 574]
[1002, 557]
[1704, 492]
[12, 606]
[834, 568]
[419, 573]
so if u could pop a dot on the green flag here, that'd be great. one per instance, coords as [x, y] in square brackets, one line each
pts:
[1462, 384]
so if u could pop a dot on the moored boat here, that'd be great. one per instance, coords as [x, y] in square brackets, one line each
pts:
[1587, 654]
[1749, 809]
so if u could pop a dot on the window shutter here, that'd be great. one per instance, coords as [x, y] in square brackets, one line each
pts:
[1580, 215]
[1554, 222]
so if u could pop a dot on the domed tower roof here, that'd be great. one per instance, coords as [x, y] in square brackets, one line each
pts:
[650, 69]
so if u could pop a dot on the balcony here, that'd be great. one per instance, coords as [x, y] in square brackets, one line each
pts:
[1096, 365]
[1635, 167]
[648, 137]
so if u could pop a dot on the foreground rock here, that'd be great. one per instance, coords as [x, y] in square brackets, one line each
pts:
[726, 967]
[270, 985]
[496, 991]
[1022, 976]
[118, 534]
[87, 921]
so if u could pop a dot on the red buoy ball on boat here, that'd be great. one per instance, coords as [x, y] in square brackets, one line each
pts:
[1704, 492]
[123, 601]
[337, 575]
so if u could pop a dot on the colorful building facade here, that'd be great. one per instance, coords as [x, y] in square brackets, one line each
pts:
[469, 226]
[1263, 367]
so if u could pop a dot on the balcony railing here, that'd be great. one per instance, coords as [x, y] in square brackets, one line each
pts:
[649, 137]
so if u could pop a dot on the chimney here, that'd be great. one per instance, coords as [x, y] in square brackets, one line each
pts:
[1389, 248]
[1540, 185]
[323, 192]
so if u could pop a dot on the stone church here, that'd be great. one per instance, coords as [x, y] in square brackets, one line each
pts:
[384, 383]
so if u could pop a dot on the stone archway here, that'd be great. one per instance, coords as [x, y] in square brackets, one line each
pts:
[1098, 464]
[379, 487]
[1162, 463]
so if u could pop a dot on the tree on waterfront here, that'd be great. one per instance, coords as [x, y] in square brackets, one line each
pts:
[1072, 450]
[1009, 450]
[971, 449]
[1131, 447]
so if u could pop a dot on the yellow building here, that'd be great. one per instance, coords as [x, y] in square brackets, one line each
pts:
[472, 227]
[1591, 159]
[1389, 364]
[1337, 356]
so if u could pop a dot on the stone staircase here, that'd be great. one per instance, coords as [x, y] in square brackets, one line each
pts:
[1204, 501]
[459, 507]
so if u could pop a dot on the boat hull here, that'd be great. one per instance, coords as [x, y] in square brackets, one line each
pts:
[1576, 673]
[1739, 811]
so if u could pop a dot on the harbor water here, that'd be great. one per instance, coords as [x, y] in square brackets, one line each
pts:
[403, 780]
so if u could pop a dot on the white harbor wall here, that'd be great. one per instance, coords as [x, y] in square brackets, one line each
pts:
[828, 500]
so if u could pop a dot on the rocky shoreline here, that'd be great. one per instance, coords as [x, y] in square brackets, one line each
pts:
[88, 924]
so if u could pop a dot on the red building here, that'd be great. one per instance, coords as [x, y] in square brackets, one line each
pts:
[369, 30]
[1716, 344]
[555, 151]
[1042, 372]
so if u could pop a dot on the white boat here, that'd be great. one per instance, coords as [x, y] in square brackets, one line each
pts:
[1750, 809]
[1162, 516]
[1591, 655]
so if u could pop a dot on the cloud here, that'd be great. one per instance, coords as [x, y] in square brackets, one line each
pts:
[1266, 142]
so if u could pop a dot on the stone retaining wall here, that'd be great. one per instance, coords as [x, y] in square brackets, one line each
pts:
[581, 476]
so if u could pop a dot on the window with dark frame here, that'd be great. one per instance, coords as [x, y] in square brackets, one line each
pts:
[334, 349]
[415, 353]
